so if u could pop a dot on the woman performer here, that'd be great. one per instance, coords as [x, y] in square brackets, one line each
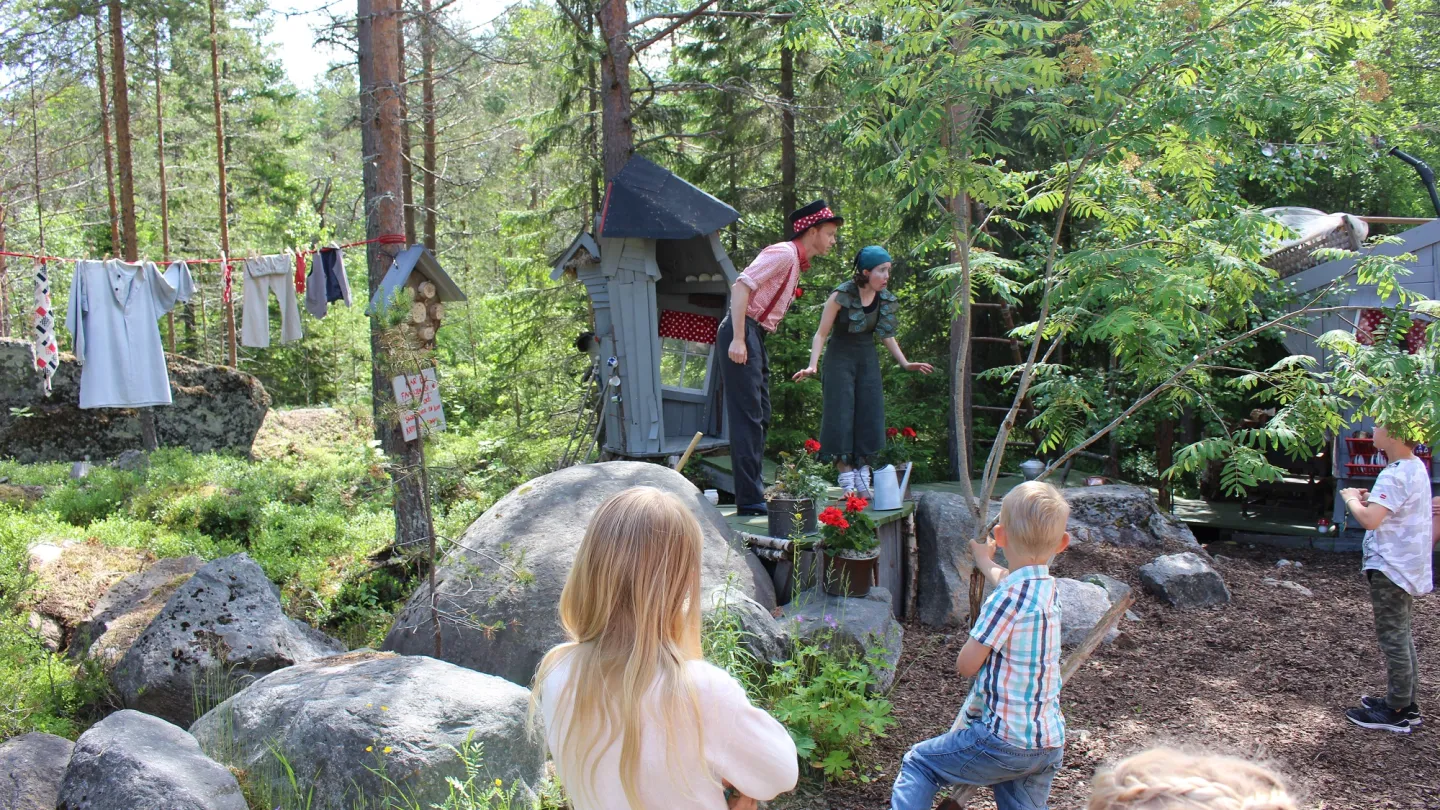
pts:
[852, 424]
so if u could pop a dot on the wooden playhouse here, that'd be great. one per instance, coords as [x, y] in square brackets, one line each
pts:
[1349, 455]
[658, 281]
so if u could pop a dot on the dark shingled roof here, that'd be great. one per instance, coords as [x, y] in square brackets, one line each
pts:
[648, 202]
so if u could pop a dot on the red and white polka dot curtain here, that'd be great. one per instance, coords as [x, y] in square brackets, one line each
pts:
[1370, 321]
[689, 326]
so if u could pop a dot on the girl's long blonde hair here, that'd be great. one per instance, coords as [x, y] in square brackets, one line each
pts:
[631, 609]
[1169, 779]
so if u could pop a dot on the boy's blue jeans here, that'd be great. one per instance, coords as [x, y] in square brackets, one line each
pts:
[975, 756]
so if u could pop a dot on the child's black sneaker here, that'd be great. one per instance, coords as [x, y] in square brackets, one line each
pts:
[1381, 719]
[1410, 713]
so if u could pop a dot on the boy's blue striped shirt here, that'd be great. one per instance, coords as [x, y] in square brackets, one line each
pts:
[1017, 690]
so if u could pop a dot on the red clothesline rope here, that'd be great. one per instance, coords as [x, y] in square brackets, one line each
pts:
[384, 239]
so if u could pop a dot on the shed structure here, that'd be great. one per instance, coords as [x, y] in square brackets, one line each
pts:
[658, 281]
[1348, 457]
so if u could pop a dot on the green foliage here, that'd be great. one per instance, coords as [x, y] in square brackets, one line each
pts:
[821, 693]
[800, 475]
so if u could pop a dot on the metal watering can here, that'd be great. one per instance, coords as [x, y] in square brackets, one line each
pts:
[888, 487]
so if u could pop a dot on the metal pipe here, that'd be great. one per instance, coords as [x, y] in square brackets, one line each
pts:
[1427, 175]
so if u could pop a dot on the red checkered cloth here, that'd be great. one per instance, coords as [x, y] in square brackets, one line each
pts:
[689, 326]
[1370, 321]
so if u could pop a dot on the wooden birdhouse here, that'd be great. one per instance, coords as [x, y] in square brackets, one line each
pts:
[658, 281]
[431, 288]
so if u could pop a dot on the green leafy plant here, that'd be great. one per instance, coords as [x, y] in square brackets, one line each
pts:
[801, 475]
[822, 694]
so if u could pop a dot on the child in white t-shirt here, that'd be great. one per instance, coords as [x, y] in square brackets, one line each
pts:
[1396, 515]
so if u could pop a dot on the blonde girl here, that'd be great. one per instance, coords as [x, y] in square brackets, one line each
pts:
[632, 716]
[1168, 779]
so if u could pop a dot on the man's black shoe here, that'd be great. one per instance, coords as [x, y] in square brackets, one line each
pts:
[1410, 713]
[1382, 719]
[752, 510]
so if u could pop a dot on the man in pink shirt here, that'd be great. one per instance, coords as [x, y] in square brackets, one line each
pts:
[759, 300]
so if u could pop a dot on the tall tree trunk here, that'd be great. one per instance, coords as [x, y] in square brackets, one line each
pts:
[4, 278]
[160, 159]
[103, 83]
[592, 134]
[788, 201]
[124, 162]
[383, 172]
[407, 158]
[427, 103]
[619, 130]
[224, 191]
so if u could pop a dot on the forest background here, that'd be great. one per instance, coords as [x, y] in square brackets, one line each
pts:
[1260, 104]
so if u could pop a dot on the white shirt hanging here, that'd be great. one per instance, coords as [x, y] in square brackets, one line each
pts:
[113, 314]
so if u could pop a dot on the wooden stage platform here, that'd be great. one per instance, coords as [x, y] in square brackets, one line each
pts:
[1223, 516]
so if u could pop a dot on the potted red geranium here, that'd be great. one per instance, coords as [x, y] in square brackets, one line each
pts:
[852, 551]
[799, 485]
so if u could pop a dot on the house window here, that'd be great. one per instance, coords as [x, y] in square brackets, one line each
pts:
[686, 339]
[684, 364]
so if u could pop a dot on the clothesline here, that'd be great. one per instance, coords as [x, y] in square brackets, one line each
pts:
[384, 239]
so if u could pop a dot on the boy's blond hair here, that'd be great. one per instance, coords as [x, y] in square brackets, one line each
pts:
[1034, 515]
[1168, 779]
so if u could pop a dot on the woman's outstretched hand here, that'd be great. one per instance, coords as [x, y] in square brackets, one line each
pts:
[808, 371]
[923, 368]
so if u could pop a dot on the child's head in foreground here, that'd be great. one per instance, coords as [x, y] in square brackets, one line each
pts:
[1032, 522]
[1168, 779]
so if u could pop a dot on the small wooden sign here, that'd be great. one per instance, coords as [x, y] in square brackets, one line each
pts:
[419, 398]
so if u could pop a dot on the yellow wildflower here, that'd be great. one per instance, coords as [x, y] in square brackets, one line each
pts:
[387, 749]
[384, 708]
[369, 748]
[497, 783]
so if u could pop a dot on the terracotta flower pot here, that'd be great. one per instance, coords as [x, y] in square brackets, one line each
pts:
[782, 515]
[851, 576]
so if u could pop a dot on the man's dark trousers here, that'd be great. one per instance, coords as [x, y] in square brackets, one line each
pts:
[747, 408]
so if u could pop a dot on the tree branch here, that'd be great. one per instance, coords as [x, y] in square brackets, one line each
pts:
[669, 29]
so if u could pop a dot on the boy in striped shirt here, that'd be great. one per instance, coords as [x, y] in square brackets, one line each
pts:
[1010, 734]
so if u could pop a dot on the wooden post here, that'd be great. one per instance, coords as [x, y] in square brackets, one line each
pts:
[224, 186]
[685, 459]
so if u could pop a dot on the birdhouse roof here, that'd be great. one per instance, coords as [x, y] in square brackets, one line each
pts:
[581, 242]
[648, 202]
[416, 258]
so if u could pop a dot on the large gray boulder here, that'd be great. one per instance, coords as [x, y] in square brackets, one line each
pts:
[1082, 606]
[944, 527]
[31, 769]
[1126, 516]
[218, 632]
[499, 585]
[215, 409]
[336, 719]
[125, 610]
[865, 625]
[759, 634]
[132, 760]
[1184, 580]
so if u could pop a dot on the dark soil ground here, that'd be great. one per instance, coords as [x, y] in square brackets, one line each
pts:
[1268, 675]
